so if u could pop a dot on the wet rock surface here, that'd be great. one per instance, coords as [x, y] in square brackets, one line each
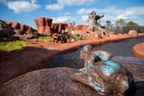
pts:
[57, 81]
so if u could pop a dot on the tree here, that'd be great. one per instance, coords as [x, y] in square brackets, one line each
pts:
[120, 22]
[108, 23]
[73, 23]
[131, 23]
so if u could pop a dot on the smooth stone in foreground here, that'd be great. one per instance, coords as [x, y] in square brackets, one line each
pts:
[57, 81]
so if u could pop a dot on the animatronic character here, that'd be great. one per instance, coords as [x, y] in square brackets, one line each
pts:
[93, 24]
[103, 75]
[65, 36]
[56, 37]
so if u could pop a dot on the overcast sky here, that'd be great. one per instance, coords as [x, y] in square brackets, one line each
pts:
[26, 11]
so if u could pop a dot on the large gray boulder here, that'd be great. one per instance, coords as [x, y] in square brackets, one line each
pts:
[57, 81]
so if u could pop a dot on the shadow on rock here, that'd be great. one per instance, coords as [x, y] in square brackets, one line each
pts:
[140, 88]
[17, 63]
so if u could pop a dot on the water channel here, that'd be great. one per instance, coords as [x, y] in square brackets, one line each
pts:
[72, 59]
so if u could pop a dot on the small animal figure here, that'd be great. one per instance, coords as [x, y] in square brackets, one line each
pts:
[102, 74]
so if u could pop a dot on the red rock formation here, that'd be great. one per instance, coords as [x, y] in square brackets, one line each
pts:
[29, 30]
[46, 27]
[25, 28]
[57, 27]
[70, 28]
[15, 25]
[43, 25]
[81, 27]
[62, 26]
[78, 28]
[9, 23]
[54, 27]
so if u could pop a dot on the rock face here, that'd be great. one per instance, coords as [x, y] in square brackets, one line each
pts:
[43, 25]
[46, 27]
[133, 33]
[81, 27]
[5, 30]
[18, 30]
[71, 29]
[57, 81]
[25, 29]
[57, 27]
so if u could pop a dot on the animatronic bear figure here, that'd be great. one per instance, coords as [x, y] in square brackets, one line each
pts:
[63, 37]
[103, 75]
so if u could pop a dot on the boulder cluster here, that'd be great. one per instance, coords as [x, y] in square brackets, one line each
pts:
[23, 29]
[14, 28]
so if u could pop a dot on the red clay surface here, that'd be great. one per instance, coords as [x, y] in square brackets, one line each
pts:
[138, 50]
[38, 55]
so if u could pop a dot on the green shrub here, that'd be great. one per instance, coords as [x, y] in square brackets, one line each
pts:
[78, 37]
[13, 46]
[45, 39]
